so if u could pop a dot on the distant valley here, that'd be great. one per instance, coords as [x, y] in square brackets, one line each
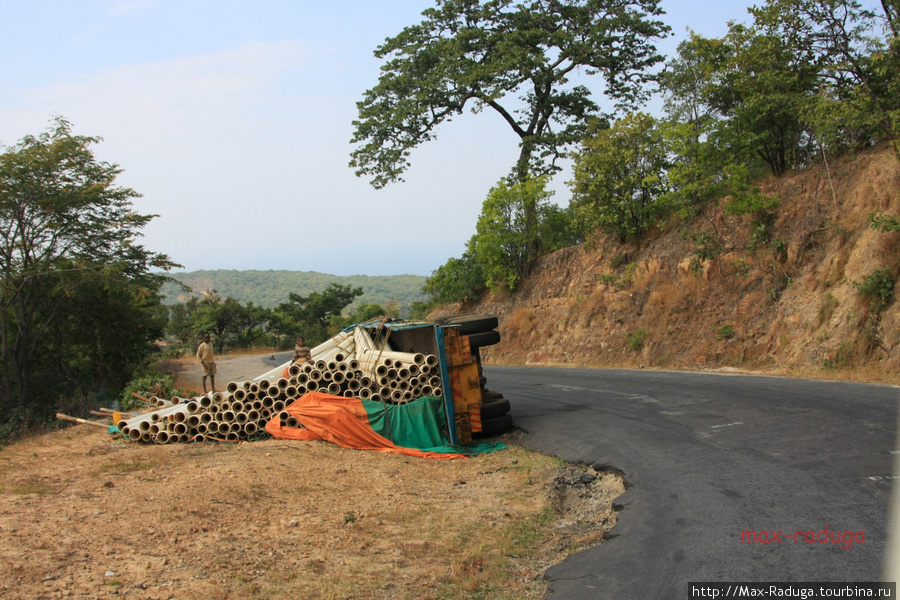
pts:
[270, 288]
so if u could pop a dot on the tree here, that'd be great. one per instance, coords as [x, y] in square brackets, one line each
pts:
[502, 235]
[858, 73]
[458, 280]
[620, 177]
[66, 232]
[515, 59]
[311, 316]
[228, 322]
[102, 336]
[361, 314]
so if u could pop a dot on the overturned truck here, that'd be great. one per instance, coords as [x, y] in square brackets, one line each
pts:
[388, 361]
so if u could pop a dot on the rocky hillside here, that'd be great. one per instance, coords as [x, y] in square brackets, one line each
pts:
[789, 306]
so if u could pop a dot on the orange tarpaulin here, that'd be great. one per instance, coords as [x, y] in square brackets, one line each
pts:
[343, 421]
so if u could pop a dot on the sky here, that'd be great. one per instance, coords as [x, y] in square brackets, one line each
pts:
[233, 120]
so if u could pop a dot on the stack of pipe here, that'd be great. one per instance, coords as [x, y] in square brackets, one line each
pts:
[351, 364]
[236, 414]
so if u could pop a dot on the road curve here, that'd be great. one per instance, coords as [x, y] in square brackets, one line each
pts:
[708, 456]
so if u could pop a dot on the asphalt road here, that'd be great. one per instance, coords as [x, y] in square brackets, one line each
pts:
[707, 457]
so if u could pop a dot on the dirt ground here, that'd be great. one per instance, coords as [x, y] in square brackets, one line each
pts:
[84, 513]
[230, 367]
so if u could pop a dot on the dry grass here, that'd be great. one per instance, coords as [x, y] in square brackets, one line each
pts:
[85, 514]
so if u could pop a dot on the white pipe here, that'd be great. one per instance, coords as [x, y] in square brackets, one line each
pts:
[328, 345]
[274, 373]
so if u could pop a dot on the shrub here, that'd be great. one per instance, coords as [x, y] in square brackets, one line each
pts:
[877, 289]
[635, 339]
[725, 332]
[150, 380]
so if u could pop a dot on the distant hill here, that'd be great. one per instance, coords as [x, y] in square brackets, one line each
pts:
[270, 288]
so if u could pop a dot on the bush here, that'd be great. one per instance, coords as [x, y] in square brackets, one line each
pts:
[150, 380]
[636, 339]
[877, 289]
[725, 332]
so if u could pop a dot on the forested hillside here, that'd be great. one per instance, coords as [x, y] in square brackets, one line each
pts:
[269, 288]
[819, 302]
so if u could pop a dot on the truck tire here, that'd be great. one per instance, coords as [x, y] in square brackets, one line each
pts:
[491, 409]
[487, 338]
[497, 425]
[472, 323]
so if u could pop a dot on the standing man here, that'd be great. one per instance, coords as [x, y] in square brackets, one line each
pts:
[301, 352]
[207, 363]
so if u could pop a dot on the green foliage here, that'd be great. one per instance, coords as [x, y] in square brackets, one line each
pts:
[804, 76]
[857, 73]
[877, 289]
[503, 239]
[500, 252]
[229, 323]
[635, 339]
[620, 179]
[706, 247]
[514, 59]
[360, 314]
[419, 310]
[79, 305]
[149, 380]
[608, 278]
[725, 332]
[696, 175]
[316, 317]
[457, 280]
[884, 223]
[746, 199]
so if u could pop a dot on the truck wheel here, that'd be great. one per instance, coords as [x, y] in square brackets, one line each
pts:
[473, 323]
[491, 409]
[487, 338]
[497, 425]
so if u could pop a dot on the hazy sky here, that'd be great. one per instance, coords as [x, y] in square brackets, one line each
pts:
[233, 119]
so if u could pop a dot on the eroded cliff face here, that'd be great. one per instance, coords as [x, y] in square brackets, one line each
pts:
[786, 306]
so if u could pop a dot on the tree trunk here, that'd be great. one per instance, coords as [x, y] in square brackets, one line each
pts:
[529, 209]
